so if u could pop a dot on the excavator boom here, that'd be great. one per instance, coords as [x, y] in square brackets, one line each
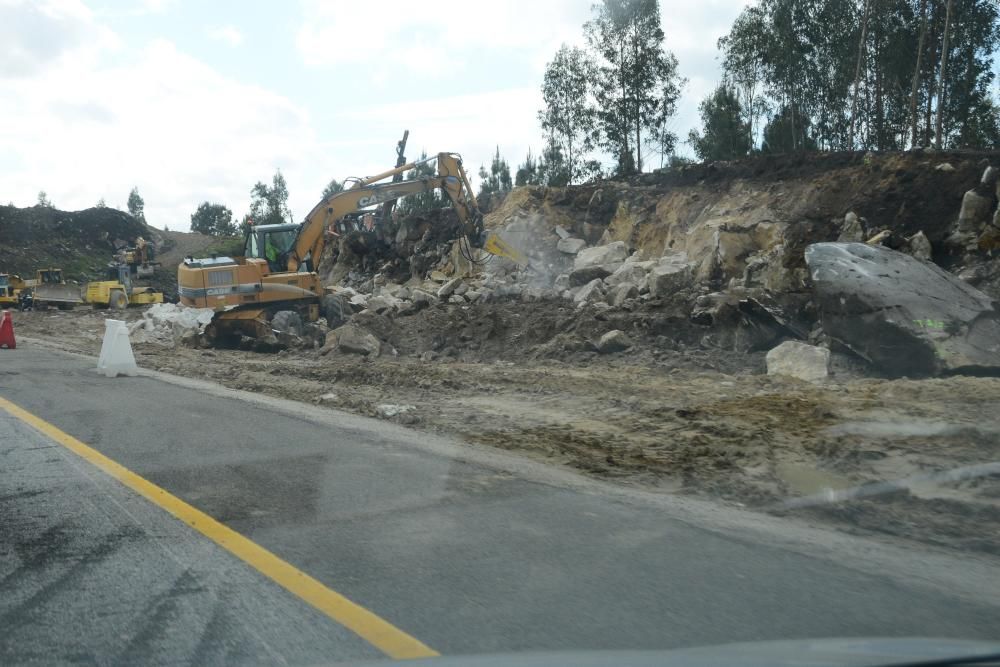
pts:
[277, 270]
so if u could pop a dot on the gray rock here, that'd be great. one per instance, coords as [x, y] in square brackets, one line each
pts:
[798, 360]
[352, 339]
[422, 297]
[457, 299]
[975, 212]
[621, 293]
[852, 231]
[562, 232]
[592, 291]
[472, 295]
[448, 288]
[287, 322]
[462, 289]
[613, 253]
[613, 341]
[561, 282]
[906, 316]
[586, 274]
[328, 399]
[989, 179]
[571, 246]
[670, 275]
[383, 304]
[630, 272]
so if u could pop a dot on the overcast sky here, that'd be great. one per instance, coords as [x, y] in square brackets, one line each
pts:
[193, 101]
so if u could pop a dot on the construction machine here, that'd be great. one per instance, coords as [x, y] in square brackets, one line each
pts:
[8, 292]
[118, 292]
[277, 271]
[50, 289]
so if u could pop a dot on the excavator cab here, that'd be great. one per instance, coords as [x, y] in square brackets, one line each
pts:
[271, 243]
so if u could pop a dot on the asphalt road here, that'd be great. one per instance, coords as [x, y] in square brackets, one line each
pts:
[466, 550]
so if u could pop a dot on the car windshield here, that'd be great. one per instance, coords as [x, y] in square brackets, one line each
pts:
[541, 331]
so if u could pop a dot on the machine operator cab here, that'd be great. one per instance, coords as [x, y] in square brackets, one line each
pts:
[271, 243]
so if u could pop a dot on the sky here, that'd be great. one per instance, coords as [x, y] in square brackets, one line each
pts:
[193, 101]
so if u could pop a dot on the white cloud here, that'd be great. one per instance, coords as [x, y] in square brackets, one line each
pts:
[160, 120]
[410, 34]
[227, 34]
[36, 35]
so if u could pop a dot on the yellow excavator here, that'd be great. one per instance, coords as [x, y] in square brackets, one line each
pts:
[277, 271]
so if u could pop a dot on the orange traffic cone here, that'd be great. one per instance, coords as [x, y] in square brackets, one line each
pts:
[7, 331]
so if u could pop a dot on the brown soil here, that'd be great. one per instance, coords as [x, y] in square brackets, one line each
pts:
[685, 418]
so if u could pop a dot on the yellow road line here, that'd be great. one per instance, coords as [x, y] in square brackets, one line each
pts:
[376, 631]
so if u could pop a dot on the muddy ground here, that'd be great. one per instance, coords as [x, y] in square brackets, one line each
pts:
[674, 414]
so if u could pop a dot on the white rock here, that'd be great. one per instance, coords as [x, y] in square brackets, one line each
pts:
[602, 255]
[390, 410]
[945, 167]
[571, 246]
[448, 288]
[798, 360]
[634, 273]
[852, 231]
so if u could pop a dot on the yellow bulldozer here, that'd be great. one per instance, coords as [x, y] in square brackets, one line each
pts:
[277, 271]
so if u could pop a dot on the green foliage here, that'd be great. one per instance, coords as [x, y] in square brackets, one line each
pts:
[531, 172]
[568, 117]
[497, 179]
[43, 200]
[636, 82]
[136, 206]
[812, 58]
[101, 203]
[332, 188]
[214, 220]
[269, 204]
[786, 133]
[422, 201]
[725, 131]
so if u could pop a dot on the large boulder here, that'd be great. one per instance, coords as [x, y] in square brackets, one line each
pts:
[671, 274]
[571, 246]
[592, 291]
[798, 360]
[906, 316]
[613, 254]
[975, 212]
[351, 339]
[614, 341]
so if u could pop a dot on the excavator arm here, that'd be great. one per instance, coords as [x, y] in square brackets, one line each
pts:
[368, 192]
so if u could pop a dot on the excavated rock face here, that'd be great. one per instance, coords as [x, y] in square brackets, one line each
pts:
[907, 316]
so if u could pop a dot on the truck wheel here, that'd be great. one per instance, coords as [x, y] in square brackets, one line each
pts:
[117, 300]
[287, 321]
[336, 309]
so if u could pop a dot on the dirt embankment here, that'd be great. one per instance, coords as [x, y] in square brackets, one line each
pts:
[82, 243]
[513, 358]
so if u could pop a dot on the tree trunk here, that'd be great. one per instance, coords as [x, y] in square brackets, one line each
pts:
[857, 76]
[916, 74]
[941, 74]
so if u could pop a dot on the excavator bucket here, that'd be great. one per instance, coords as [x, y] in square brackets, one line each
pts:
[497, 246]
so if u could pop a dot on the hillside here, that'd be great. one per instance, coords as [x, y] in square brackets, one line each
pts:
[83, 242]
